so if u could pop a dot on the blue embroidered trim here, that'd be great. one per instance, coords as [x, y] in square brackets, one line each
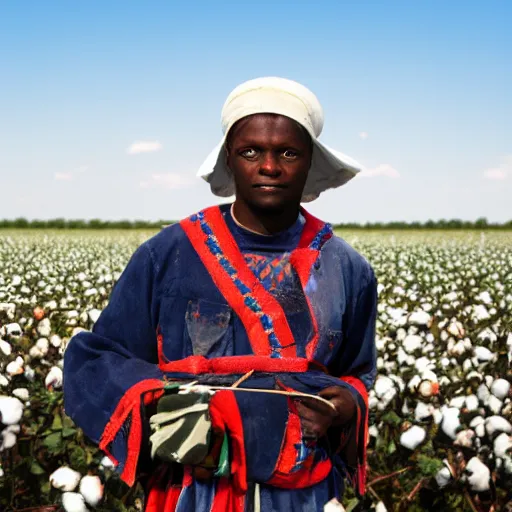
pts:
[250, 301]
[321, 237]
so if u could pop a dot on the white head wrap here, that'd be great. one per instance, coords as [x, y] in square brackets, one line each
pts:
[271, 95]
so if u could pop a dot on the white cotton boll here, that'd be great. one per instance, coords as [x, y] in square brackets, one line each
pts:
[43, 345]
[412, 330]
[65, 479]
[444, 381]
[444, 335]
[380, 344]
[450, 422]
[91, 489]
[11, 410]
[485, 297]
[488, 334]
[412, 343]
[51, 305]
[445, 362]
[420, 318]
[497, 424]
[94, 314]
[373, 431]
[479, 475]
[500, 388]
[21, 393]
[458, 401]
[428, 388]
[380, 363]
[78, 330]
[383, 385]
[15, 367]
[16, 280]
[456, 329]
[402, 356]
[464, 438]
[55, 340]
[73, 502]
[401, 334]
[373, 402]
[472, 402]
[380, 507]
[483, 354]
[480, 430]
[424, 363]
[423, 411]
[334, 506]
[54, 378]
[414, 383]
[480, 312]
[13, 330]
[502, 444]
[398, 381]
[5, 347]
[8, 440]
[44, 328]
[494, 404]
[474, 375]
[458, 349]
[413, 437]
[29, 373]
[3, 381]
[106, 463]
[443, 477]
[483, 393]
[467, 366]
[477, 420]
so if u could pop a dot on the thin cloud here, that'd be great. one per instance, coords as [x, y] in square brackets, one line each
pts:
[69, 176]
[63, 176]
[170, 181]
[384, 170]
[500, 173]
[141, 146]
[363, 135]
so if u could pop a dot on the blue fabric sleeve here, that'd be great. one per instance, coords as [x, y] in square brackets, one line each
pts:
[121, 351]
[358, 356]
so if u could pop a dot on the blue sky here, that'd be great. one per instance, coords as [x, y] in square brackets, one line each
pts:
[418, 92]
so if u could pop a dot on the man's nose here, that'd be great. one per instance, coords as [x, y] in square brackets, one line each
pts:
[269, 165]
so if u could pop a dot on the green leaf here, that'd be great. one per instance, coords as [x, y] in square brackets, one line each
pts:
[36, 469]
[53, 442]
[57, 422]
[68, 432]
[428, 466]
[392, 418]
[391, 448]
[46, 487]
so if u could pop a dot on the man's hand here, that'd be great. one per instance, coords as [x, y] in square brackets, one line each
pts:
[317, 418]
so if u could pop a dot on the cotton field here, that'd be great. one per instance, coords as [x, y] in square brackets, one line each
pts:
[441, 408]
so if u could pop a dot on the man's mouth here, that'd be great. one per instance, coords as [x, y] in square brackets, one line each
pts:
[269, 187]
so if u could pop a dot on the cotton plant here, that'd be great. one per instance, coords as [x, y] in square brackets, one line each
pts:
[440, 404]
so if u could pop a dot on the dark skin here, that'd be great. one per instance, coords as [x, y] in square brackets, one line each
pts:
[270, 156]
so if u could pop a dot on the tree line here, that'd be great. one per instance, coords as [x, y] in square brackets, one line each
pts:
[22, 223]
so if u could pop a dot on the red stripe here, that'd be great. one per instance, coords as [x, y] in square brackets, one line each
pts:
[225, 416]
[230, 365]
[359, 386]
[311, 228]
[255, 332]
[226, 499]
[129, 407]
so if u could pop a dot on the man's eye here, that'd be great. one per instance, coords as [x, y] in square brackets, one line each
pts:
[289, 153]
[248, 153]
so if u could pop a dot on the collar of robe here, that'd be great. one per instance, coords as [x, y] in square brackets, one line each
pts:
[270, 336]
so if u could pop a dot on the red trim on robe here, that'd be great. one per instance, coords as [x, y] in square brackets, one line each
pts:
[258, 338]
[360, 478]
[228, 365]
[225, 416]
[130, 407]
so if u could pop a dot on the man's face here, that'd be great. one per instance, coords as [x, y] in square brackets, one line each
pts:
[269, 156]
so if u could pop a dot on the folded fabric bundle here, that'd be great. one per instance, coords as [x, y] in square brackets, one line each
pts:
[181, 428]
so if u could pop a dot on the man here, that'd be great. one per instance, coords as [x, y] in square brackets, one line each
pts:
[257, 298]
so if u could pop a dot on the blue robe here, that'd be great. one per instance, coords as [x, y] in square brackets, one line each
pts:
[208, 300]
